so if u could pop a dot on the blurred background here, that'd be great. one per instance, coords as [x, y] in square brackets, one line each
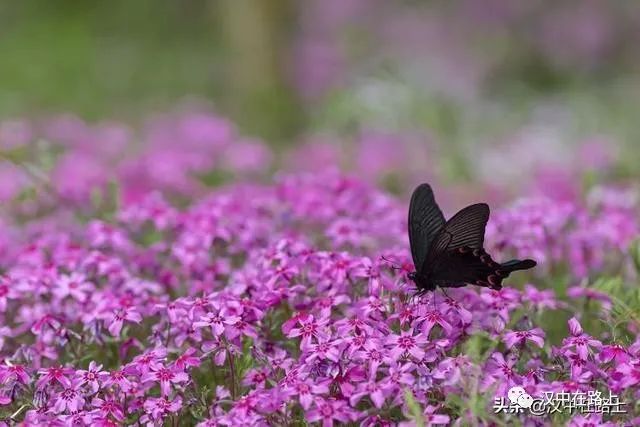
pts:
[517, 96]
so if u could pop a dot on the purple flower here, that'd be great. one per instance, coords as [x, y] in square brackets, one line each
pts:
[330, 410]
[501, 370]
[119, 317]
[376, 391]
[71, 399]
[307, 391]
[323, 350]
[535, 335]
[166, 376]
[108, 407]
[582, 291]
[74, 285]
[217, 321]
[54, 374]
[120, 379]
[629, 374]
[615, 353]
[10, 373]
[433, 318]
[406, 343]
[309, 329]
[579, 340]
[92, 376]
[540, 300]
[157, 408]
[186, 359]
[149, 360]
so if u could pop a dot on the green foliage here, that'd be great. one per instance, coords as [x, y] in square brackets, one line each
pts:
[625, 304]
[414, 408]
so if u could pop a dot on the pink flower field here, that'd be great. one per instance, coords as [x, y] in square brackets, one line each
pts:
[180, 273]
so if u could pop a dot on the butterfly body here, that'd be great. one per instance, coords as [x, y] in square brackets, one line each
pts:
[450, 254]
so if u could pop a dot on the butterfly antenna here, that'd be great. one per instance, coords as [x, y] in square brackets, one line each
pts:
[393, 264]
[445, 293]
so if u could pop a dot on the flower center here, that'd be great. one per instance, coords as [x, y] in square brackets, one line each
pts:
[406, 342]
[326, 410]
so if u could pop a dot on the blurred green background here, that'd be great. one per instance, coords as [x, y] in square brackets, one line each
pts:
[462, 69]
[123, 59]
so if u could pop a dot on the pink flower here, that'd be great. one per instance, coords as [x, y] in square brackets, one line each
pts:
[149, 360]
[56, 373]
[329, 410]
[579, 340]
[582, 291]
[157, 408]
[6, 293]
[406, 343]
[630, 374]
[432, 418]
[323, 350]
[615, 353]
[501, 370]
[256, 378]
[376, 391]
[535, 335]
[186, 359]
[128, 314]
[307, 392]
[108, 407]
[71, 399]
[372, 352]
[166, 377]
[74, 285]
[120, 379]
[92, 376]
[218, 321]
[309, 329]
[433, 318]
[540, 300]
[14, 373]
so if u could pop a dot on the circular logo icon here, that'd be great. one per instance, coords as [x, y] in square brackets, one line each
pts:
[514, 394]
[525, 401]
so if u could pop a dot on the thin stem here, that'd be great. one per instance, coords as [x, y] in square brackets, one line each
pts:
[166, 344]
[20, 409]
[232, 370]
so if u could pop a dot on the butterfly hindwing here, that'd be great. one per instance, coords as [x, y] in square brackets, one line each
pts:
[465, 265]
[425, 222]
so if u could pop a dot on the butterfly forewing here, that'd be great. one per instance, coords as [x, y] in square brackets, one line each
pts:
[467, 227]
[425, 222]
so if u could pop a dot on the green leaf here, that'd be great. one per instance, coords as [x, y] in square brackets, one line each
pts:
[414, 408]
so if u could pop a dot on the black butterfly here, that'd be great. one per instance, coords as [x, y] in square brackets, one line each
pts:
[450, 254]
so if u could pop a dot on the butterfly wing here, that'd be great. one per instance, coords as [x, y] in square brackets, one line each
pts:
[458, 267]
[457, 257]
[425, 222]
[467, 227]
[464, 229]
[462, 266]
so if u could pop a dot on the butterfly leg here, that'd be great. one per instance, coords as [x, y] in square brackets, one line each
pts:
[394, 266]
[445, 293]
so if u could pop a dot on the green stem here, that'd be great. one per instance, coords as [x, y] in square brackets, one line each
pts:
[232, 371]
